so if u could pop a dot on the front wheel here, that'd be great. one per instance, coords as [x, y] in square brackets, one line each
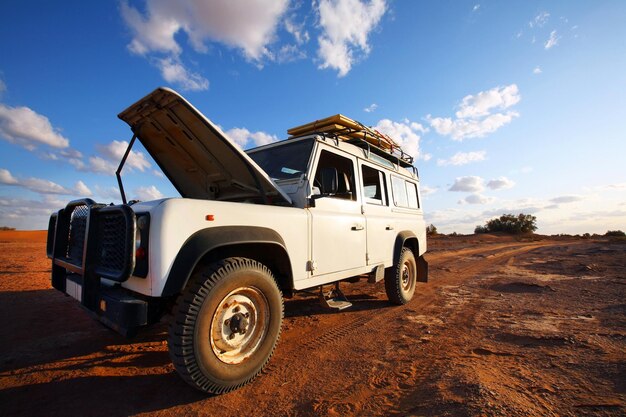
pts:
[400, 279]
[226, 325]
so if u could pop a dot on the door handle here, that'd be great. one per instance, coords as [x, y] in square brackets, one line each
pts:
[389, 228]
[358, 227]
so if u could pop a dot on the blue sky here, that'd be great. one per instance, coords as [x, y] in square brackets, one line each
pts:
[507, 106]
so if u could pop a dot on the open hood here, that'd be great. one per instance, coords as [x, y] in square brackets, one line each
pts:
[194, 154]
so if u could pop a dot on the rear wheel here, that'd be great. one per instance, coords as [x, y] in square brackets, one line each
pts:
[400, 280]
[226, 325]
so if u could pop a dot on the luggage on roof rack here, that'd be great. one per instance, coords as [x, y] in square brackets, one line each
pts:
[355, 132]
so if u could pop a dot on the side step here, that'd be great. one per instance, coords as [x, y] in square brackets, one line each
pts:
[334, 298]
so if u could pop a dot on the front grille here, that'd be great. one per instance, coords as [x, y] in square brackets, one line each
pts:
[76, 240]
[113, 243]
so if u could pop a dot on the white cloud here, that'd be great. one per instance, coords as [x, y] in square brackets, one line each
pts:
[500, 98]
[81, 189]
[147, 193]
[552, 41]
[502, 183]
[297, 30]
[108, 193]
[406, 134]
[37, 185]
[6, 178]
[246, 139]
[537, 70]
[346, 25]
[25, 127]
[566, 199]
[96, 164]
[476, 7]
[173, 71]
[460, 129]
[249, 26]
[372, 107]
[476, 199]
[475, 117]
[43, 186]
[426, 190]
[111, 155]
[539, 20]
[462, 158]
[155, 33]
[470, 184]
[289, 53]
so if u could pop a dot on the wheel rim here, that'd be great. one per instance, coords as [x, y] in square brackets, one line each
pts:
[406, 273]
[239, 325]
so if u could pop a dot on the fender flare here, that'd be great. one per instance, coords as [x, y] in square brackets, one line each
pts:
[422, 265]
[206, 240]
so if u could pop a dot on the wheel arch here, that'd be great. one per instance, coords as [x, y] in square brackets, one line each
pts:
[408, 239]
[208, 245]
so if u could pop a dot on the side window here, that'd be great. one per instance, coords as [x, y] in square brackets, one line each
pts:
[398, 186]
[411, 191]
[404, 193]
[335, 176]
[374, 186]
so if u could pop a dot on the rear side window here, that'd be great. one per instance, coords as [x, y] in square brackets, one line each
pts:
[404, 193]
[411, 192]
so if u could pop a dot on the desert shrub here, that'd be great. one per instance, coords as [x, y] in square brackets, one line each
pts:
[510, 223]
[616, 233]
[431, 230]
[6, 229]
[586, 236]
[480, 229]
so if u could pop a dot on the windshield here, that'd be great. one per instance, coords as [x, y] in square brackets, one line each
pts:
[285, 161]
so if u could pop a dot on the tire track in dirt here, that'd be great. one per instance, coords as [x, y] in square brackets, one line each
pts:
[341, 338]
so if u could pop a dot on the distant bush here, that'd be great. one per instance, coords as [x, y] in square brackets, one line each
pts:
[480, 229]
[586, 236]
[6, 229]
[431, 230]
[617, 233]
[509, 223]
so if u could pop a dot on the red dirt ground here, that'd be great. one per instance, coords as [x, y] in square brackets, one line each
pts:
[505, 327]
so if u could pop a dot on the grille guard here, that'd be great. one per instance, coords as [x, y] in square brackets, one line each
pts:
[91, 241]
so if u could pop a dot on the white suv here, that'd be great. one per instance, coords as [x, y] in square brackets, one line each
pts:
[251, 228]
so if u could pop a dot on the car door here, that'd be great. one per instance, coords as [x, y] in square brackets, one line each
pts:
[338, 235]
[380, 223]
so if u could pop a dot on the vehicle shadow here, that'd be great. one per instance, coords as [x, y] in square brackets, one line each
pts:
[99, 396]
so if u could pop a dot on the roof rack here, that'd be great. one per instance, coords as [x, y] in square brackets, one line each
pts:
[342, 128]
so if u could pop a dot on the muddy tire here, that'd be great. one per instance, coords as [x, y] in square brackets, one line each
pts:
[226, 325]
[400, 279]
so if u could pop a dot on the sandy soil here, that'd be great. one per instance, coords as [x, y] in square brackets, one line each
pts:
[510, 327]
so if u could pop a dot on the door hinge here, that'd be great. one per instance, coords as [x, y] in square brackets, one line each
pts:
[311, 266]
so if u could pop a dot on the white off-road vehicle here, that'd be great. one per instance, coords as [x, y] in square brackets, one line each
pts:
[251, 228]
